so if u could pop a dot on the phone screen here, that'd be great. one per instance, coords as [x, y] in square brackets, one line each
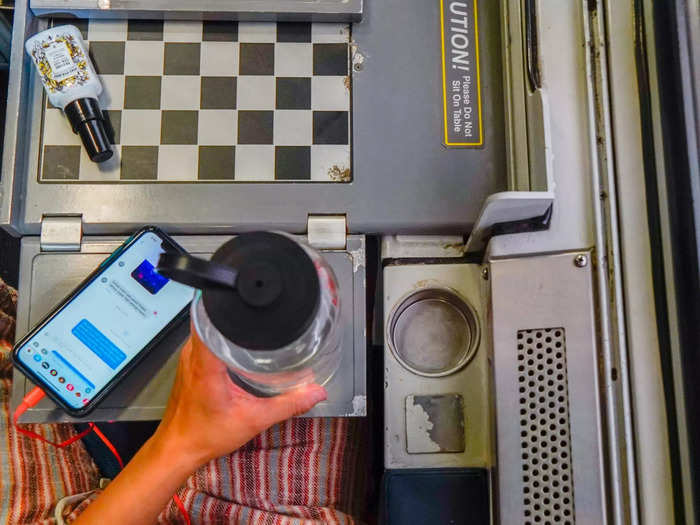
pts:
[100, 330]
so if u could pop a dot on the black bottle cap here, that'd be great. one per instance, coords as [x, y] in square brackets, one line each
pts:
[87, 120]
[276, 296]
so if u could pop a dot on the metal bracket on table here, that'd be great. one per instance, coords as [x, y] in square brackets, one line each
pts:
[327, 232]
[510, 212]
[61, 233]
[529, 206]
[522, 211]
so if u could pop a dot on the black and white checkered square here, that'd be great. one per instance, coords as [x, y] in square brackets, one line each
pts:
[213, 101]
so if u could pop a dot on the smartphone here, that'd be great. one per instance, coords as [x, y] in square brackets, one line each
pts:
[81, 350]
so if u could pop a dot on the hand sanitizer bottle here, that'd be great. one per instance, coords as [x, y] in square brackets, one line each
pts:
[71, 83]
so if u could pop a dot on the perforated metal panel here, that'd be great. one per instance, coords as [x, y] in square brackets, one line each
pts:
[544, 427]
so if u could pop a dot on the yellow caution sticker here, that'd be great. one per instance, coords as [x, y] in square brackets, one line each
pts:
[461, 82]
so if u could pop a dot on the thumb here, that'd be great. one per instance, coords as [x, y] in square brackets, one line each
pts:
[293, 403]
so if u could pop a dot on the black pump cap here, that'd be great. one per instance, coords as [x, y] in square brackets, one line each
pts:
[87, 120]
[277, 292]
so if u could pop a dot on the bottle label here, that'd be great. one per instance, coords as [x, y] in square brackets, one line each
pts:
[61, 62]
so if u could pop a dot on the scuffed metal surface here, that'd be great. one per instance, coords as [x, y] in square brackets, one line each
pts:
[359, 406]
[434, 424]
[418, 427]
[358, 59]
[358, 256]
[358, 259]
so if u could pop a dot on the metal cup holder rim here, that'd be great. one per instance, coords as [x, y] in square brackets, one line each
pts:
[454, 299]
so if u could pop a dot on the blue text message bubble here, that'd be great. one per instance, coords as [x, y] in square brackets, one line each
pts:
[96, 341]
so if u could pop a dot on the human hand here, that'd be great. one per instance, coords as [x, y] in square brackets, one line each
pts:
[208, 415]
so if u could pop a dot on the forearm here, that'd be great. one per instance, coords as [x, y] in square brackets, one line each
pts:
[143, 489]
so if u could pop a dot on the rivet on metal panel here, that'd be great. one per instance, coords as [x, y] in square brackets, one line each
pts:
[485, 273]
[580, 260]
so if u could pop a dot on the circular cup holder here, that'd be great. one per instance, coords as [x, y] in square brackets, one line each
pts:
[433, 332]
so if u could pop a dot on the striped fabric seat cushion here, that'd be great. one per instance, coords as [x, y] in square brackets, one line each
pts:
[302, 471]
[34, 475]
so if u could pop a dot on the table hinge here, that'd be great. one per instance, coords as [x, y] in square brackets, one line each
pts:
[61, 233]
[327, 232]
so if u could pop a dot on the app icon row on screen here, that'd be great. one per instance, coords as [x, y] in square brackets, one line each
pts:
[53, 372]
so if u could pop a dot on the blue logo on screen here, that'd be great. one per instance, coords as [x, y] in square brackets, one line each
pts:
[145, 274]
[96, 341]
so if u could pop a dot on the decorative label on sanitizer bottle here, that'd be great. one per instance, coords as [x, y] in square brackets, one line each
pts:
[60, 61]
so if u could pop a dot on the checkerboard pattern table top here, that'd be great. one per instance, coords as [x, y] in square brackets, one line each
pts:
[213, 101]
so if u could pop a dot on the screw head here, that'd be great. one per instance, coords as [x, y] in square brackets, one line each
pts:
[580, 260]
[485, 273]
[358, 66]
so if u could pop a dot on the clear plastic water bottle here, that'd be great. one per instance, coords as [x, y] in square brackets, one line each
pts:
[268, 307]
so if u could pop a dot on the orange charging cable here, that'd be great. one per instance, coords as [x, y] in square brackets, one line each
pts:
[31, 399]
[36, 395]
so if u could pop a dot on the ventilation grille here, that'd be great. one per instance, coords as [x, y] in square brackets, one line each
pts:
[545, 438]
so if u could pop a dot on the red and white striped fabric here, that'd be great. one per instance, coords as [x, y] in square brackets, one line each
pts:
[302, 471]
[34, 475]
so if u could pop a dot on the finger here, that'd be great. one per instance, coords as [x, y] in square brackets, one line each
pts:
[293, 403]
